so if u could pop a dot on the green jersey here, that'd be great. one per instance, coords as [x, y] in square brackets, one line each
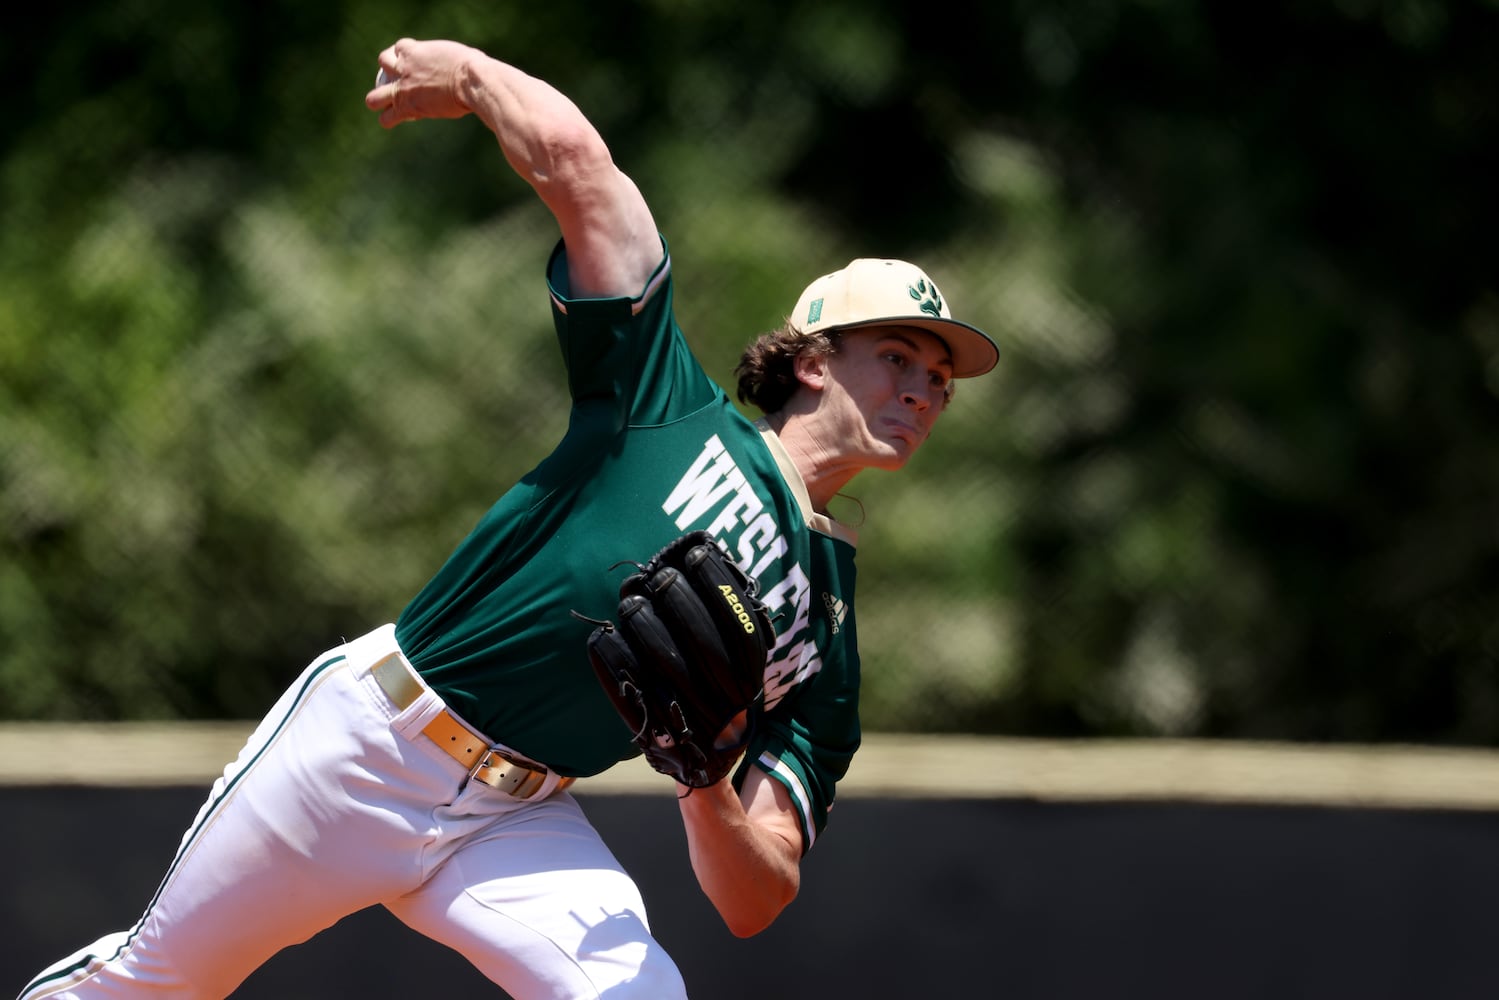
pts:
[654, 448]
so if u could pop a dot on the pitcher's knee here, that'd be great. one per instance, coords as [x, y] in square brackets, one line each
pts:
[656, 977]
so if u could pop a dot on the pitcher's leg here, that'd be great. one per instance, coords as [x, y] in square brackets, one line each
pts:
[540, 905]
[318, 817]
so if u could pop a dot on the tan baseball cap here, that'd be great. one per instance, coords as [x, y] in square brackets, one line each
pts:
[873, 291]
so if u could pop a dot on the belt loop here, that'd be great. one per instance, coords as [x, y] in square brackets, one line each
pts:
[397, 680]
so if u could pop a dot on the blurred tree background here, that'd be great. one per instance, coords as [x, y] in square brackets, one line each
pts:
[262, 362]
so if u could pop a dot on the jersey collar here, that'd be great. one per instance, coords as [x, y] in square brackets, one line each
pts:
[817, 522]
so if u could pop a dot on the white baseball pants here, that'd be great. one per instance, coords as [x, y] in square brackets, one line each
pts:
[338, 802]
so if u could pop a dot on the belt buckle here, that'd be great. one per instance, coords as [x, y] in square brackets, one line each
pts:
[498, 769]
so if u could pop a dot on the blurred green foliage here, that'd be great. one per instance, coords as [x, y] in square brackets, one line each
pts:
[262, 363]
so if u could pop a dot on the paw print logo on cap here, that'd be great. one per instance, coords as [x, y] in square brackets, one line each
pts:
[929, 299]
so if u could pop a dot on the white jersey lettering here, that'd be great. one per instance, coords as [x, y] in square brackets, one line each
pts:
[729, 518]
[713, 486]
[800, 662]
[795, 657]
[713, 476]
[774, 545]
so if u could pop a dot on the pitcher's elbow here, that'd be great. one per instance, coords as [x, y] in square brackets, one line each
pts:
[747, 921]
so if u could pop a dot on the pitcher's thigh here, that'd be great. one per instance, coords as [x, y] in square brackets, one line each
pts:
[232, 898]
[276, 853]
[542, 907]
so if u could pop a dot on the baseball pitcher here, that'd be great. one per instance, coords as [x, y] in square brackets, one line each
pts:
[666, 583]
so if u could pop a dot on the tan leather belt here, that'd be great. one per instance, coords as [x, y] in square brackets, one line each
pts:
[486, 764]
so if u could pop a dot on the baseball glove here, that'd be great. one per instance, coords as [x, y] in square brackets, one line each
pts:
[686, 657]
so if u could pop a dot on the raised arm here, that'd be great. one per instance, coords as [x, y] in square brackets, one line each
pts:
[612, 241]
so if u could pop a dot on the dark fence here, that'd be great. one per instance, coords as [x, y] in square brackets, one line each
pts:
[904, 898]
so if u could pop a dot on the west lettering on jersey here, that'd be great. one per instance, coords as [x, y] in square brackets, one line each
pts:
[711, 477]
[715, 491]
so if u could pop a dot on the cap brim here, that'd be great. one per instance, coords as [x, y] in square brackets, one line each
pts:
[973, 351]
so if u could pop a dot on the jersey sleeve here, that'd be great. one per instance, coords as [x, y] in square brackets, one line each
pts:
[808, 740]
[626, 358]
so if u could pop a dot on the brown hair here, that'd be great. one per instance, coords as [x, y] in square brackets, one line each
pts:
[767, 368]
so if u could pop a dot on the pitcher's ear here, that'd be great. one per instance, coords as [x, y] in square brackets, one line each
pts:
[811, 369]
